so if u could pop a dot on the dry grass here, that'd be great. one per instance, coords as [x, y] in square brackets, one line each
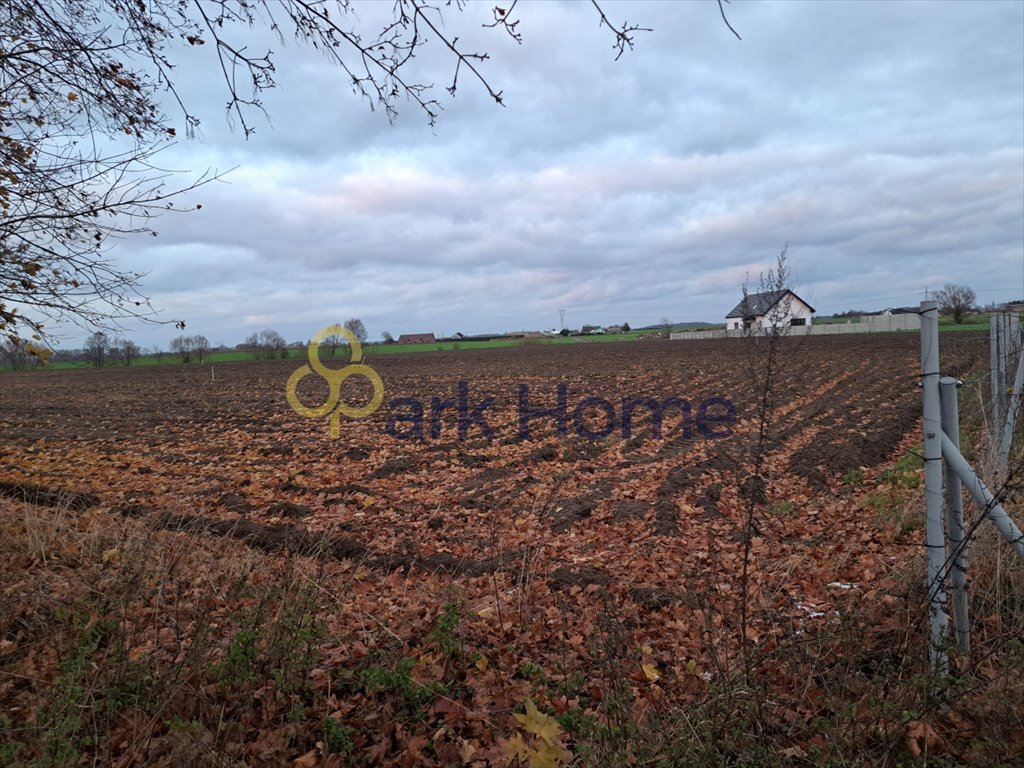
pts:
[114, 633]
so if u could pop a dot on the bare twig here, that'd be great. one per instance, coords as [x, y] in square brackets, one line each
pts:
[721, 9]
[623, 35]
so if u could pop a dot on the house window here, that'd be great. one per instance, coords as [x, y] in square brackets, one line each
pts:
[798, 321]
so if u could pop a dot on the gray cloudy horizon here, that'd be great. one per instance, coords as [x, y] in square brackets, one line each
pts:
[884, 142]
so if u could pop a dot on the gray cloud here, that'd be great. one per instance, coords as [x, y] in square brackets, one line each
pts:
[883, 142]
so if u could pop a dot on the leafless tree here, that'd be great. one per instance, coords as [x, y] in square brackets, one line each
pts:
[357, 328]
[956, 300]
[182, 347]
[126, 351]
[764, 362]
[200, 347]
[79, 138]
[331, 343]
[81, 131]
[267, 344]
[187, 347]
[97, 349]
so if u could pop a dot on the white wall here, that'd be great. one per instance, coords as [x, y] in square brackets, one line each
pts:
[800, 309]
[867, 324]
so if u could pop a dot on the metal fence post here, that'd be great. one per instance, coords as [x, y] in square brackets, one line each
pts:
[955, 517]
[935, 539]
[1013, 396]
[1012, 409]
[1004, 338]
[993, 365]
[990, 506]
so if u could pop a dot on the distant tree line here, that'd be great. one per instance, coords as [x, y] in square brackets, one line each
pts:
[101, 350]
[266, 345]
[188, 347]
[14, 355]
[955, 300]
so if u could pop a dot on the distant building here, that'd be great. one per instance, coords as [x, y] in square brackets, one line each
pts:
[768, 310]
[416, 338]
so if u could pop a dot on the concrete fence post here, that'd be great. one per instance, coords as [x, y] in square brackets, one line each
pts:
[935, 538]
[955, 518]
[993, 364]
[1012, 410]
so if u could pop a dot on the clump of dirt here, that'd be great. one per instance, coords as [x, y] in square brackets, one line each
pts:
[584, 450]
[681, 479]
[481, 500]
[276, 450]
[472, 459]
[666, 518]
[544, 453]
[567, 512]
[343, 490]
[709, 503]
[485, 477]
[718, 462]
[752, 488]
[396, 466]
[267, 538]
[654, 598]
[45, 497]
[235, 502]
[133, 510]
[837, 454]
[677, 480]
[288, 509]
[564, 576]
[630, 509]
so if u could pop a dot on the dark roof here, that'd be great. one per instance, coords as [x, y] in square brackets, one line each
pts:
[757, 304]
[416, 338]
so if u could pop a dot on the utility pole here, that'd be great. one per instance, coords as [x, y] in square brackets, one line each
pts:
[561, 319]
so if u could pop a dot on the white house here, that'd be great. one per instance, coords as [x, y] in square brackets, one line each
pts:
[769, 310]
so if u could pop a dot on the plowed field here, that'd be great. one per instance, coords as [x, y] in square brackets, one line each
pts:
[549, 547]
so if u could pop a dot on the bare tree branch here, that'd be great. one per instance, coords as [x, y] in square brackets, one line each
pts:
[623, 35]
[80, 125]
[721, 9]
[503, 18]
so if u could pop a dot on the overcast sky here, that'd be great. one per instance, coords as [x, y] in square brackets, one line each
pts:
[883, 141]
